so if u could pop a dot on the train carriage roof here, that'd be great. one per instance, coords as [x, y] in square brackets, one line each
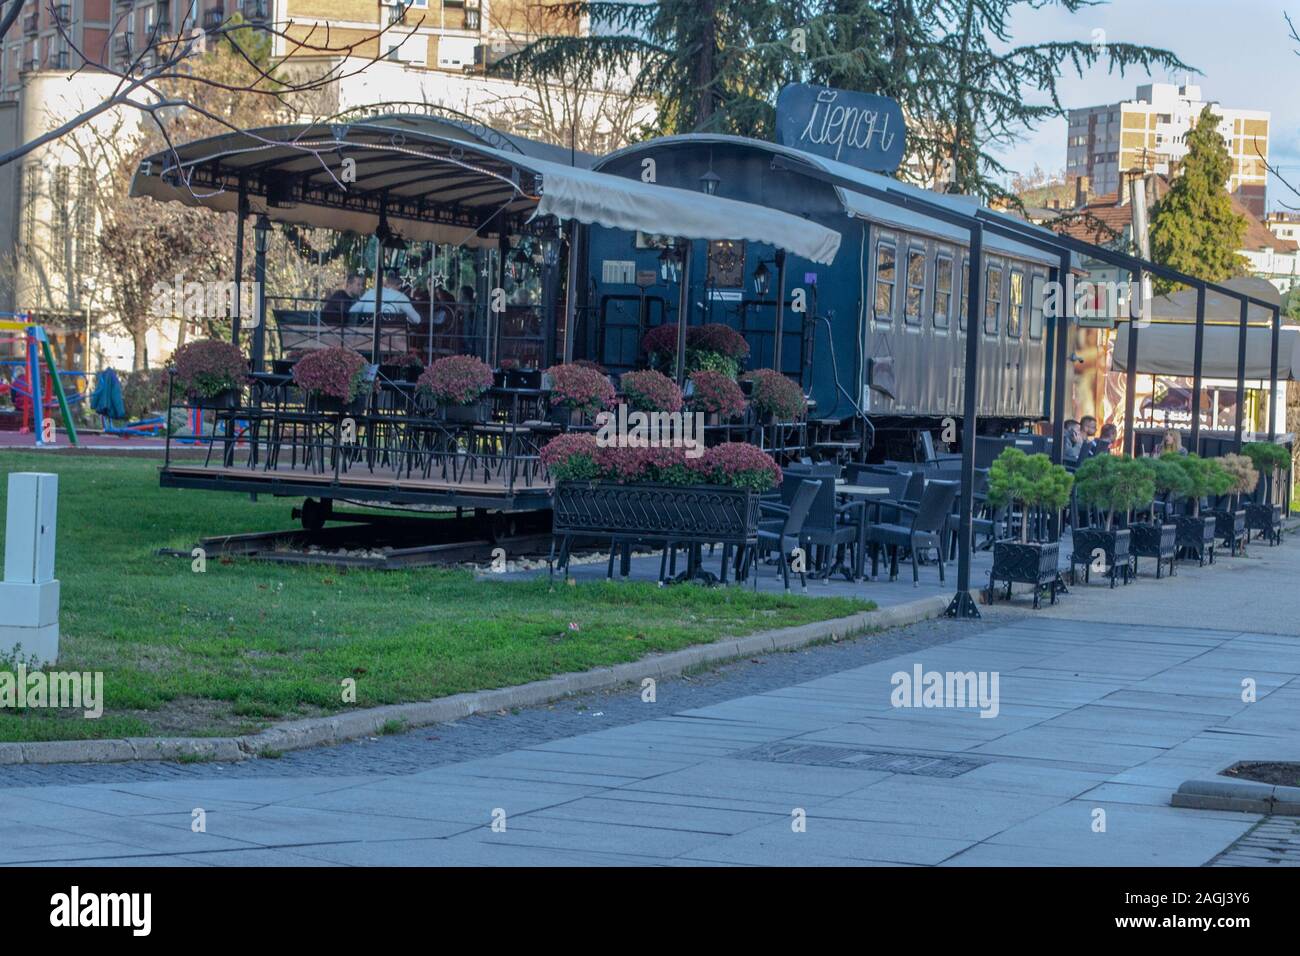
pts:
[860, 205]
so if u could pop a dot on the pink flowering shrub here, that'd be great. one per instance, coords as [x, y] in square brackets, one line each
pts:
[739, 465]
[206, 368]
[410, 359]
[336, 371]
[571, 457]
[456, 379]
[715, 347]
[735, 464]
[715, 394]
[580, 389]
[776, 395]
[651, 391]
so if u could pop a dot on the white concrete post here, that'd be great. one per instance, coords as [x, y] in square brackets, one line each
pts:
[29, 594]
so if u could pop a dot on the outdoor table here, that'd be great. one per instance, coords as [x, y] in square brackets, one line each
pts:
[860, 491]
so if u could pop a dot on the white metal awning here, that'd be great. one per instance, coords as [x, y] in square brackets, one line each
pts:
[435, 188]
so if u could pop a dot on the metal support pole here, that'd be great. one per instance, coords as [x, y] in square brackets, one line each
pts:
[380, 232]
[259, 277]
[1198, 363]
[236, 319]
[683, 310]
[1272, 373]
[1062, 341]
[1241, 374]
[1130, 383]
[493, 316]
[962, 604]
[780, 310]
[571, 294]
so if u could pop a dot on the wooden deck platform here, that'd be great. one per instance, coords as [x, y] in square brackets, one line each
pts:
[360, 483]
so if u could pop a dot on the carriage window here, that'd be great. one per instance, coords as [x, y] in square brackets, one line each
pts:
[1016, 304]
[885, 279]
[915, 286]
[1036, 292]
[942, 291]
[963, 307]
[992, 300]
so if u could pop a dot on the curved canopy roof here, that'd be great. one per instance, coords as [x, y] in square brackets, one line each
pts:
[856, 204]
[442, 188]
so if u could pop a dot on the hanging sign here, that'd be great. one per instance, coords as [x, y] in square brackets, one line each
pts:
[860, 129]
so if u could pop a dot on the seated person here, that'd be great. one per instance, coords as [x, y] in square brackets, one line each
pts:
[1072, 447]
[1172, 441]
[1101, 445]
[395, 301]
[340, 301]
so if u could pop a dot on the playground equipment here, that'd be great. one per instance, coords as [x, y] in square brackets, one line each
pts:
[106, 399]
[38, 382]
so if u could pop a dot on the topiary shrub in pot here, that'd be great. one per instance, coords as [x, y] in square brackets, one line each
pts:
[1114, 485]
[1230, 516]
[1264, 514]
[209, 373]
[1157, 536]
[1195, 535]
[1035, 486]
[458, 383]
[336, 379]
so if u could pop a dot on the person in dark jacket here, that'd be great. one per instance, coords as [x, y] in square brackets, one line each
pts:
[336, 307]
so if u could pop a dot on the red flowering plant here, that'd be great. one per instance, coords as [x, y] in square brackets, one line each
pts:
[409, 359]
[774, 394]
[737, 464]
[336, 372]
[456, 379]
[715, 394]
[206, 368]
[572, 457]
[580, 389]
[715, 347]
[651, 391]
[594, 366]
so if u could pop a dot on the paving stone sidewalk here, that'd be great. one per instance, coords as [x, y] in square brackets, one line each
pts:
[1105, 704]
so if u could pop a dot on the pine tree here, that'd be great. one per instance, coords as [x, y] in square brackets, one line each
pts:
[951, 65]
[1194, 229]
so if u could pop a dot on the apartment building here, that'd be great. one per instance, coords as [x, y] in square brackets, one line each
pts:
[1149, 133]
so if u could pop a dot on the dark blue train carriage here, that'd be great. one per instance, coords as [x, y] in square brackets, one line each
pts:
[883, 328]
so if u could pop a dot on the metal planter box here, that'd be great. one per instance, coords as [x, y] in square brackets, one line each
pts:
[1196, 534]
[684, 513]
[1031, 562]
[1265, 518]
[1230, 527]
[1113, 545]
[1159, 541]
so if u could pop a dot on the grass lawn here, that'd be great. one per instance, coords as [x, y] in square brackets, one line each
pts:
[245, 644]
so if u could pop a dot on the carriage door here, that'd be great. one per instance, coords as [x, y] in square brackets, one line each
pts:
[1014, 382]
[624, 320]
[1035, 352]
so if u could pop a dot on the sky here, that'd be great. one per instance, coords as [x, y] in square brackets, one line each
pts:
[1241, 47]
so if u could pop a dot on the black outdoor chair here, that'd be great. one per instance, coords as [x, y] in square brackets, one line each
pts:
[833, 526]
[927, 529]
[786, 534]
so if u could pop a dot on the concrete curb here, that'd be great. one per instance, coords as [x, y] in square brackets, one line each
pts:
[338, 728]
[1246, 796]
